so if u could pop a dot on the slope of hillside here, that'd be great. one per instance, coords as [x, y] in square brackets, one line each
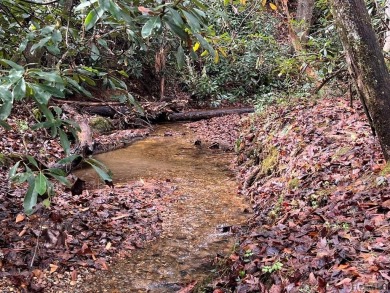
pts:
[319, 188]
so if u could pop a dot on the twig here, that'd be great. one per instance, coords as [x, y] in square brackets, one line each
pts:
[37, 245]
[40, 3]
[329, 78]
[350, 95]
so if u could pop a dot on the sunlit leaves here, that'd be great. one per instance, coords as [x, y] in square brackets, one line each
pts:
[180, 57]
[205, 44]
[64, 141]
[196, 46]
[95, 53]
[273, 6]
[40, 183]
[12, 64]
[93, 16]
[85, 4]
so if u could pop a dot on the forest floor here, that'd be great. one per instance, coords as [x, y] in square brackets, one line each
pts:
[321, 198]
[313, 172]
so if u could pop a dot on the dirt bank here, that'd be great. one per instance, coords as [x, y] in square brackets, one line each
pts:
[321, 198]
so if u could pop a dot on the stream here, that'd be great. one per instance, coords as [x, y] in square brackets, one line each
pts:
[195, 225]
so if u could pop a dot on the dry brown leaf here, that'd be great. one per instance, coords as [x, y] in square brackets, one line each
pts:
[386, 204]
[143, 10]
[53, 268]
[73, 275]
[37, 273]
[19, 218]
[344, 281]
[275, 289]
[343, 266]
[312, 279]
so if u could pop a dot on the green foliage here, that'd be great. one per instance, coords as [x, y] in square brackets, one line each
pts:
[39, 181]
[275, 267]
[244, 61]
[56, 49]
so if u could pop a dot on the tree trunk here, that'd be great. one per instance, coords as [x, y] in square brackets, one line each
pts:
[306, 11]
[304, 19]
[366, 65]
[386, 46]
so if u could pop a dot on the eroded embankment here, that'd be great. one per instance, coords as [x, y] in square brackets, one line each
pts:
[319, 188]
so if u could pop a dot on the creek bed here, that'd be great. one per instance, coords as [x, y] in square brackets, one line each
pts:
[203, 205]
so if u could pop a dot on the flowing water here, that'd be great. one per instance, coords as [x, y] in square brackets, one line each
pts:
[205, 200]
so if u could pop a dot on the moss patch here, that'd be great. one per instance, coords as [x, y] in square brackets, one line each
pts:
[2, 159]
[293, 183]
[341, 152]
[386, 170]
[5, 161]
[270, 161]
[100, 125]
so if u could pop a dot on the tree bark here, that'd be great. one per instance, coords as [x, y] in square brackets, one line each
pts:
[296, 42]
[366, 65]
[386, 46]
[304, 19]
[84, 137]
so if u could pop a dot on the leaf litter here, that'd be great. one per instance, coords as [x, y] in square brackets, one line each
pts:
[54, 249]
[314, 174]
[319, 188]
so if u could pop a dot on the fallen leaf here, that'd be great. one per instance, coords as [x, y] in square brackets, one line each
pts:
[53, 268]
[143, 10]
[344, 281]
[386, 204]
[312, 279]
[19, 218]
[37, 273]
[73, 276]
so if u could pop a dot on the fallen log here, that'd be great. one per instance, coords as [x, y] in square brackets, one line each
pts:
[86, 103]
[207, 114]
[107, 111]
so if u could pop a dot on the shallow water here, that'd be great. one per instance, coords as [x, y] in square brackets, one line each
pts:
[205, 200]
